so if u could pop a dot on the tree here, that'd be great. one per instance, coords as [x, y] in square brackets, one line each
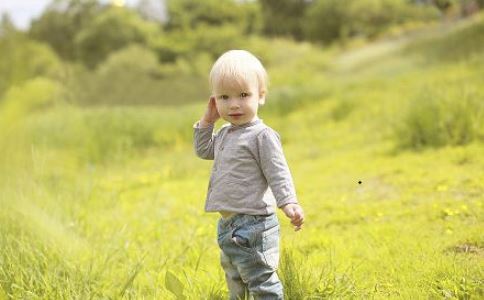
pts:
[61, 22]
[444, 5]
[189, 14]
[113, 29]
[284, 17]
[327, 20]
[6, 26]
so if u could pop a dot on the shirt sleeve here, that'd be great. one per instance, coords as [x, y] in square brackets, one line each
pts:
[203, 141]
[274, 166]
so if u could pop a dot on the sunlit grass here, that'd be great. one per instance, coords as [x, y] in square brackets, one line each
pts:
[108, 203]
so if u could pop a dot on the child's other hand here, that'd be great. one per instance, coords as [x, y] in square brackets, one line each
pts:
[295, 213]
[211, 114]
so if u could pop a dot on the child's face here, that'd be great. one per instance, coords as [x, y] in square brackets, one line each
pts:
[238, 105]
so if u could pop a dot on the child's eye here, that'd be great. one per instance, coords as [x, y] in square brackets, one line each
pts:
[224, 97]
[243, 95]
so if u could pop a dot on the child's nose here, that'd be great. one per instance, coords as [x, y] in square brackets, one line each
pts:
[234, 103]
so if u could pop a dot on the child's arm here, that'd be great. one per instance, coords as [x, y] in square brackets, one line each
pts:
[274, 166]
[204, 139]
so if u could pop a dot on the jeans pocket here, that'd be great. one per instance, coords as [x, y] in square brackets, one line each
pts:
[242, 237]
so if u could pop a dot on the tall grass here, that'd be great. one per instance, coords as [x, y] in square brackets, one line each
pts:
[112, 133]
[301, 281]
[439, 117]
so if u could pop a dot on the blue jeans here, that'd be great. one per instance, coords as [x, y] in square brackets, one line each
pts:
[250, 256]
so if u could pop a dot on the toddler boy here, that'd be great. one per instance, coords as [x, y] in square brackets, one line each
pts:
[248, 160]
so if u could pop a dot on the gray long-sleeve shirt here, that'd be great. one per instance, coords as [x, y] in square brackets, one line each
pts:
[248, 160]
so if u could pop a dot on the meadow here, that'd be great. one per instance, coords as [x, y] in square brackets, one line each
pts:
[108, 202]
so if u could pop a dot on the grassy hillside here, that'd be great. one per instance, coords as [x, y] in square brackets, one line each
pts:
[108, 203]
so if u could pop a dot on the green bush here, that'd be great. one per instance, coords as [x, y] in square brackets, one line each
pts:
[443, 117]
[187, 43]
[23, 59]
[133, 76]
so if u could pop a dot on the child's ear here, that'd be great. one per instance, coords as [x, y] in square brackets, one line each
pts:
[262, 97]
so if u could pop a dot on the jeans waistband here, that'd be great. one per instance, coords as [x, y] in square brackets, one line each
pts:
[239, 219]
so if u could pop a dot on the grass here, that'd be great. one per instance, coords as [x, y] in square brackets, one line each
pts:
[101, 203]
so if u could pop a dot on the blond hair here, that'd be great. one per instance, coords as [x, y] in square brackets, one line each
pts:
[238, 69]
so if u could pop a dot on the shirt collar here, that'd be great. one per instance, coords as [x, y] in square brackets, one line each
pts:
[255, 122]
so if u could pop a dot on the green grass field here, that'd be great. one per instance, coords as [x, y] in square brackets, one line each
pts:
[108, 203]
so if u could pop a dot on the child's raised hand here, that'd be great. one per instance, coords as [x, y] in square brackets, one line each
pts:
[295, 213]
[211, 114]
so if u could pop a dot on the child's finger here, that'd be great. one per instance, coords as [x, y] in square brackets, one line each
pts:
[212, 102]
[297, 223]
[298, 215]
